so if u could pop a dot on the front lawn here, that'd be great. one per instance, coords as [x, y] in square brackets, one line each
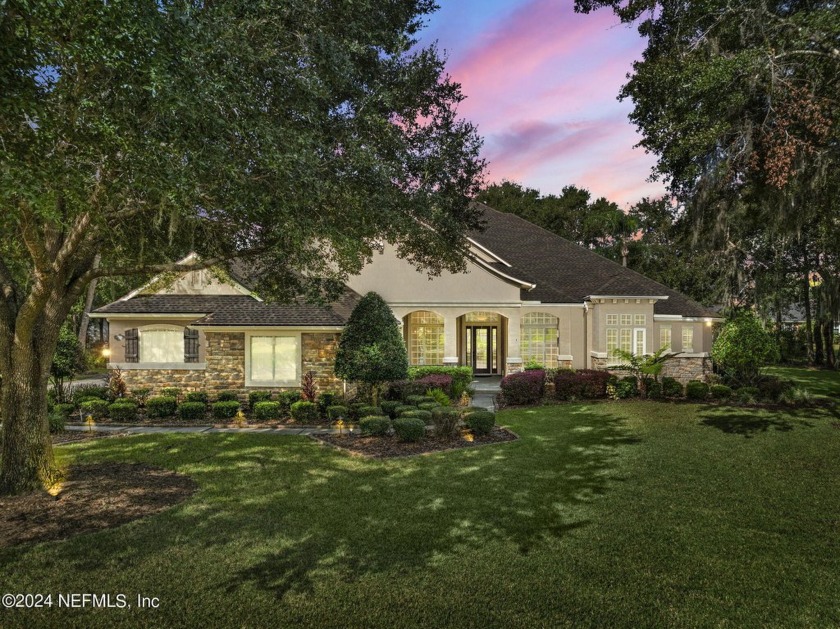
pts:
[820, 382]
[611, 514]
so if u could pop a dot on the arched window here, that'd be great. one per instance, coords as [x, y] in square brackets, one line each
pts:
[161, 344]
[425, 338]
[538, 338]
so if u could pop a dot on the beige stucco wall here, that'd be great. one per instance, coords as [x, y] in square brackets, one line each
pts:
[398, 282]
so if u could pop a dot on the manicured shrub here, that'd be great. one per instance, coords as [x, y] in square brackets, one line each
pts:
[721, 391]
[671, 387]
[254, 397]
[56, 422]
[445, 421]
[357, 411]
[141, 395]
[325, 400]
[123, 411]
[85, 391]
[438, 381]
[196, 396]
[94, 407]
[771, 388]
[389, 407]
[430, 406]
[414, 400]
[409, 428]
[266, 410]
[523, 388]
[481, 422]
[304, 412]
[472, 409]
[626, 387]
[747, 395]
[171, 392]
[286, 399]
[696, 390]
[461, 377]
[334, 413]
[63, 409]
[193, 410]
[426, 416]
[161, 406]
[371, 349]
[401, 389]
[653, 389]
[585, 384]
[743, 348]
[375, 425]
[227, 396]
[403, 408]
[225, 410]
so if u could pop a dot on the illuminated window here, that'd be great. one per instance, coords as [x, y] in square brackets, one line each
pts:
[626, 339]
[612, 319]
[665, 336]
[481, 317]
[425, 338]
[626, 319]
[639, 319]
[162, 345]
[538, 338]
[273, 361]
[612, 340]
[688, 338]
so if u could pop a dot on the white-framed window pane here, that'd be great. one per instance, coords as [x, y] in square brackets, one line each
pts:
[626, 319]
[626, 339]
[612, 340]
[162, 346]
[665, 336]
[639, 342]
[639, 319]
[262, 358]
[612, 319]
[688, 339]
[285, 359]
[425, 338]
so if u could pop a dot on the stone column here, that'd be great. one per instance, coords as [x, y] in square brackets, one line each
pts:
[450, 340]
[514, 352]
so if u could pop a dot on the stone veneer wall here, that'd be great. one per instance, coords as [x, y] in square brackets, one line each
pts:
[225, 355]
[682, 369]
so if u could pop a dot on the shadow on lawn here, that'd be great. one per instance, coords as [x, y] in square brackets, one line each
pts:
[748, 423]
[301, 513]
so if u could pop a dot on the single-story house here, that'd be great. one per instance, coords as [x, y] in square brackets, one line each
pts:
[528, 296]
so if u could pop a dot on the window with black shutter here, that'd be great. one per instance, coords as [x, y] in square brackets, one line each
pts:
[190, 346]
[132, 346]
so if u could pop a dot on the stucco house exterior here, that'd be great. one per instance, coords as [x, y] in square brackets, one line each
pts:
[527, 296]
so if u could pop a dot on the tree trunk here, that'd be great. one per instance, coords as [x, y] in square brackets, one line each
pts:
[828, 340]
[819, 356]
[809, 335]
[26, 463]
[91, 293]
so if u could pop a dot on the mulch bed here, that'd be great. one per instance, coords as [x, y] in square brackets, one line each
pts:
[391, 447]
[72, 436]
[92, 498]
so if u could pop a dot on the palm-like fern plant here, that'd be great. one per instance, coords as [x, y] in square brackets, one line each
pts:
[642, 366]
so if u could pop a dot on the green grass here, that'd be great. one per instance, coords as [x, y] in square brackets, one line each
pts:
[820, 382]
[616, 514]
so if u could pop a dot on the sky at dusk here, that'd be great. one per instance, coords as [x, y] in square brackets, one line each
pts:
[541, 85]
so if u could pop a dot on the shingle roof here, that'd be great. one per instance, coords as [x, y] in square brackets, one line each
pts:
[238, 310]
[565, 272]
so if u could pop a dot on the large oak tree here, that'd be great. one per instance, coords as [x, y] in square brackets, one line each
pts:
[304, 131]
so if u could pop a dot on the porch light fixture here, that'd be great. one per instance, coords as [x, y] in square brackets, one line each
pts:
[106, 352]
[119, 337]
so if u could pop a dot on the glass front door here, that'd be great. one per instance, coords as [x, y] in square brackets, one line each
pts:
[481, 349]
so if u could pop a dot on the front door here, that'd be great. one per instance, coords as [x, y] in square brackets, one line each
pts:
[481, 349]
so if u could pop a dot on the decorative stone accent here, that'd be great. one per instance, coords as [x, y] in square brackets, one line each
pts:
[318, 355]
[682, 369]
[225, 360]
[514, 368]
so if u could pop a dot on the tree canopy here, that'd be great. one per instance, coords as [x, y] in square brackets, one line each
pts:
[305, 131]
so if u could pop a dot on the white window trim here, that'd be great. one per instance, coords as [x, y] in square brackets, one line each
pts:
[279, 383]
[156, 327]
[644, 340]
